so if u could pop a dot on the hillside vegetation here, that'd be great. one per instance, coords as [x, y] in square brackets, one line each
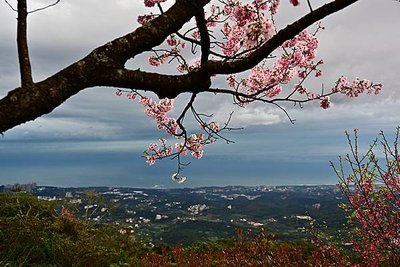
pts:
[42, 233]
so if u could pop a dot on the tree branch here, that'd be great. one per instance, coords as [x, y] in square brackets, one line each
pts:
[45, 7]
[30, 102]
[104, 66]
[163, 86]
[204, 36]
[22, 43]
[12, 8]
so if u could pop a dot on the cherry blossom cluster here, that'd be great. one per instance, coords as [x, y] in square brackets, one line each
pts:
[150, 3]
[158, 111]
[296, 61]
[246, 27]
[351, 89]
[143, 19]
[155, 151]
[274, 5]
[193, 143]
[356, 87]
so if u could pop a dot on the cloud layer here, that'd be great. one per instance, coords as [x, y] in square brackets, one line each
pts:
[96, 138]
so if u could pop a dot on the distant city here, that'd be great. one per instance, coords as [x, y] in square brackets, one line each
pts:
[191, 215]
[28, 188]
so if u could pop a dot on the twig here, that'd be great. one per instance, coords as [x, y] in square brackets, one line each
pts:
[12, 8]
[309, 5]
[45, 7]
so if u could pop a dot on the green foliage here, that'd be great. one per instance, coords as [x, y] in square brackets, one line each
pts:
[18, 204]
[42, 233]
[33, 234]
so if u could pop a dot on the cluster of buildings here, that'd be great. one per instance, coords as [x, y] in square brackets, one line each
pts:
[27, 188]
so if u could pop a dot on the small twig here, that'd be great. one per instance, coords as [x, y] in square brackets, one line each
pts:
[309, 5]
[292, 121]
[179, 121]
[12, 8]
[29, 211]
[160, 8]
[45, 7]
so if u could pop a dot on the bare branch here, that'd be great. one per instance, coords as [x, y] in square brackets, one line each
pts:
[179, 121]
[35, 10]
[12, 8]
[45, 7]
[309, 5]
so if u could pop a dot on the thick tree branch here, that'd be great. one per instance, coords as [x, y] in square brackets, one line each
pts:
[104, 66]
[168, 86]
[22, 43]
[30, 102]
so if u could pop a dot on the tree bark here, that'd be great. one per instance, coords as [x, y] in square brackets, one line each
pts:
[22, 43]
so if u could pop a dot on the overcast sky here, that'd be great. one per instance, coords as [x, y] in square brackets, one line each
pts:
[96, 138]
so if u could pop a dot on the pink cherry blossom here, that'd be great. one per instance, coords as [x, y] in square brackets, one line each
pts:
[325, 102]
[150, 3]
[145, 18]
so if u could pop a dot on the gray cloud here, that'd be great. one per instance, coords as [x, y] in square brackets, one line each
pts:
[109, 132]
